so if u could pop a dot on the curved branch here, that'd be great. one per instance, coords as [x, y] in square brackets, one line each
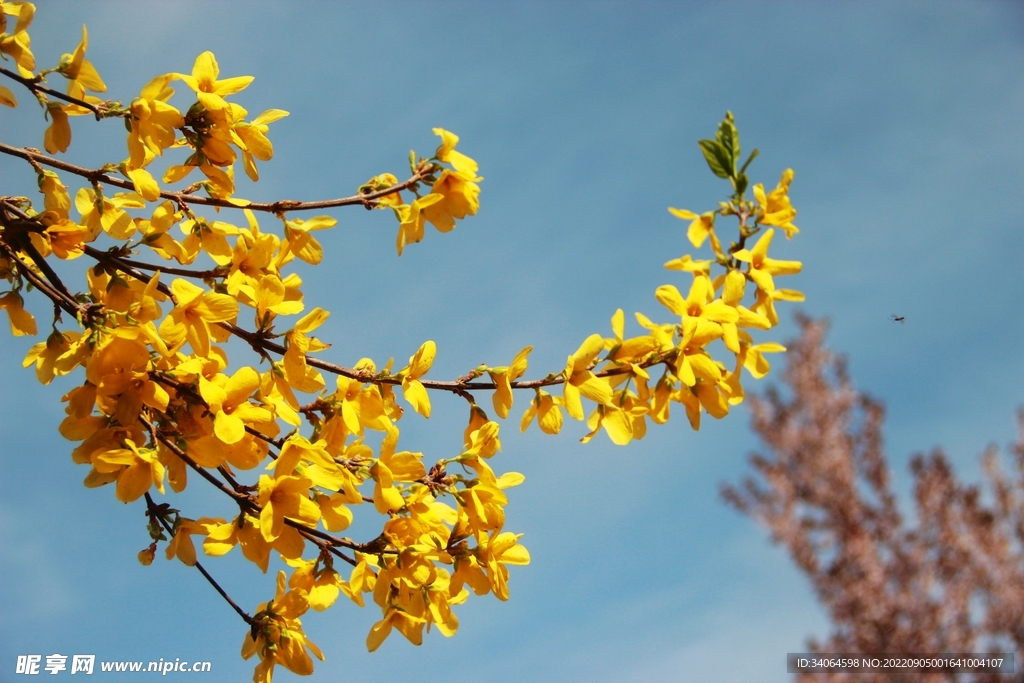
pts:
[154, 513]
[16, 238]
[69, 306]
[368, 199]
[262, 345]
[238, 497]
[183, 272]
[244, 500]
[33, 84]
[459, 387]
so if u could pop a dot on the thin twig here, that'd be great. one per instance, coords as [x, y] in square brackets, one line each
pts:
[33, 84]
[154, 513]
[261, 344]
[68, 305]
[183, 272]
[50, 273]
[367, 199]
[41, 284]
[240, 498]
[459, 387]
[184, 388]
[245, 500]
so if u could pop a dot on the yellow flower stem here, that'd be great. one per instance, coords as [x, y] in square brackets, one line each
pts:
[460, 387]
[743, 213]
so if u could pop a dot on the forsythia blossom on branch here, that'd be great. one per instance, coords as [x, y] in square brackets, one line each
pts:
[161, 402]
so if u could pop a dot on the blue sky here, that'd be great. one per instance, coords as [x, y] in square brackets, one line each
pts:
[903, 123]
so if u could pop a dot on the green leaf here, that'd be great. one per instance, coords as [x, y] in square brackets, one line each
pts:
[740, 183]
[753, 155]
[729, 137]
[717, 158]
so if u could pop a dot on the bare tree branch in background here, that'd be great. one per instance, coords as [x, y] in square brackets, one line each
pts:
[951, 580]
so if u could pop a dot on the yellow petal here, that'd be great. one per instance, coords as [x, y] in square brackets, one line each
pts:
[549, 417]
[682, 213]
[229, 86]
[229, 428]
[670, 298]
[573, 406]
[57, 137]
[616, 424]
[618, 324]
[421, 361]
[510, 479]
[145, 184]
[205, 69]
[597, 390]
[219, 307]
[312, 320]
[517, 554]
[133, 482]
[589, 349]
[336, 516]
[7, 97]
[416, 394]
[241, 385]
[22, 322]
[175, 173]
[378, 634]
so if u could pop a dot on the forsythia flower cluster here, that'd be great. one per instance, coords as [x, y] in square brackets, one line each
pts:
[161, 399]
[624, 393]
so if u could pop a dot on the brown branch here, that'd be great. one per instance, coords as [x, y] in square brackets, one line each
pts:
[244, 500]
[332, 541]
[230, 479]
[262, 345]
[69, 306]
[367, 199]
[154, 513]
[183, 272]
[33, 84]
[454, 386]
[337, 553]
[117, 262]
[240, 498]
[323, 545]
[277, 443]
[459, 387]
[16, 235]
[51, 275]
[180, 387]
